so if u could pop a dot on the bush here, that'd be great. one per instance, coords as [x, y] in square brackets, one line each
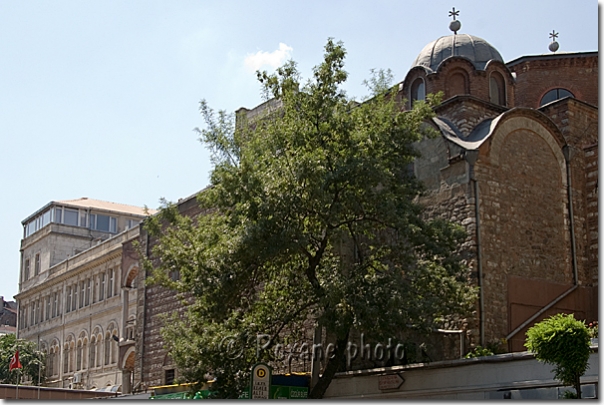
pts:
[563, 341]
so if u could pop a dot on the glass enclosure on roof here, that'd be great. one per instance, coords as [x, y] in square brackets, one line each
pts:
[70, 216]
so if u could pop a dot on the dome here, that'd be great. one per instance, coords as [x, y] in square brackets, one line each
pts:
[476, 50]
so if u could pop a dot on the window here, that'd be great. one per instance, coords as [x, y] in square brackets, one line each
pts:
[93, 352]
[82, 293]
[102, 287]
[66, 358]
[39, 311]
[58, 215]
[51, 363]
[47, 311]
[26, 270]
[497, 88]
[79, 356]
[555, 94]
[88, 291]
[418, 90]
[131, 223]
[32, 314]
[103, 223]
[55, 304]
[110, 283]
[68, 300]
[37, 264]
[70, 217]
[457, 84]
[169, 376]
[74, 301]
[108, 341]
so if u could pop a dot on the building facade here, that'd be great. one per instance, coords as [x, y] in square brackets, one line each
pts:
[73, 293]
[516, 165]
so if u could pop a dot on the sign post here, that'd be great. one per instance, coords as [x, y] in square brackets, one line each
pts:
[261, 381]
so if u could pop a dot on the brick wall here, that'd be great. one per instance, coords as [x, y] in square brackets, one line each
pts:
[536, 75]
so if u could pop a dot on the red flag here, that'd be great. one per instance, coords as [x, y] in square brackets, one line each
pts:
[14, 362]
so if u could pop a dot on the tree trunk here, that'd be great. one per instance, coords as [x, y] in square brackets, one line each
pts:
[331, 369]
[578, 385]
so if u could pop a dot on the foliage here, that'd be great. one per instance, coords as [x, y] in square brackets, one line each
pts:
[592, 328]
[479, 351]
[310, 218]
[31, 359]
[563, 341]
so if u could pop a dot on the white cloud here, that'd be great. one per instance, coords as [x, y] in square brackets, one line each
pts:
[274, 59]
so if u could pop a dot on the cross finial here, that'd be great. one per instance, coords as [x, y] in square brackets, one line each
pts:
[453, 13]
[554, 35]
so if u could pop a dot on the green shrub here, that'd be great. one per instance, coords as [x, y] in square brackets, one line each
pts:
[563, 341]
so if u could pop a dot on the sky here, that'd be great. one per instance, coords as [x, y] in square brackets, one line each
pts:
[99, 99]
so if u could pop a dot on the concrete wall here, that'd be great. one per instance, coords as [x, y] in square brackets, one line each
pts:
[478, 378]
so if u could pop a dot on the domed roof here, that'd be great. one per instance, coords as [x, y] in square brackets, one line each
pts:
[476, 50]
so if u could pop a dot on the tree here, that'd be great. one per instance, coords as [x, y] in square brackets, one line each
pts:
[563, 341]
[310, 217]
[31, 359]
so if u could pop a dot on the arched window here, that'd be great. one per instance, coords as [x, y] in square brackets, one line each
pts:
[497, 89]
[71, 356]
[50, 368]
[457, 84]
[66, 358]
[418, 90]
[555, 94]
[79, 353]
[108, 341]
[93, 352]
[99, 350]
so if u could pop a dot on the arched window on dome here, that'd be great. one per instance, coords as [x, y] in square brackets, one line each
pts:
[418, 90]
[555, 94]
[497, 89]
[457, 84]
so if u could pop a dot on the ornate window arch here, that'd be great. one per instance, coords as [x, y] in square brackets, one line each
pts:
[457, 83]
[497, 94]
[418, 90]
[555, 94]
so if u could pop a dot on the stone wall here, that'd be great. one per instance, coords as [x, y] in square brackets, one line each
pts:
[154, 301]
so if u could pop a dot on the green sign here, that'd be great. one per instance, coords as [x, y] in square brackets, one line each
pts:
[286, 392]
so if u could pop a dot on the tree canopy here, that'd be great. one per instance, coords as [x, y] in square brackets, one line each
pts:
[311, 218]
[562, 341]
[30, 357]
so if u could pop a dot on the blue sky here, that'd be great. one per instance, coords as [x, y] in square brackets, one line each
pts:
[99, 99]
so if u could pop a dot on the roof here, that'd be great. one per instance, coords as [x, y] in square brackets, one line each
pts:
[86, 202]
[476, 50]
[550, 56]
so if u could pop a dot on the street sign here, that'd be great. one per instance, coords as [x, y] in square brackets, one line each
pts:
[261, 381]
[390, 381]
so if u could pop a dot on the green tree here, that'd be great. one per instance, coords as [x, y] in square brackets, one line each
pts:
[31, 359]
[310, 217]
[563, 341]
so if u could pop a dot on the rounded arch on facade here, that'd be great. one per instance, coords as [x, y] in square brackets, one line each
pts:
[553, 93]
[130, 275]
[457, 76]
[127, 362]
[497, 88]
[535, 122]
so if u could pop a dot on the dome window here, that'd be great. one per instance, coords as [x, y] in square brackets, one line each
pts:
[497, 89]
[457, 84]
[418, 90]
[555, 94]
